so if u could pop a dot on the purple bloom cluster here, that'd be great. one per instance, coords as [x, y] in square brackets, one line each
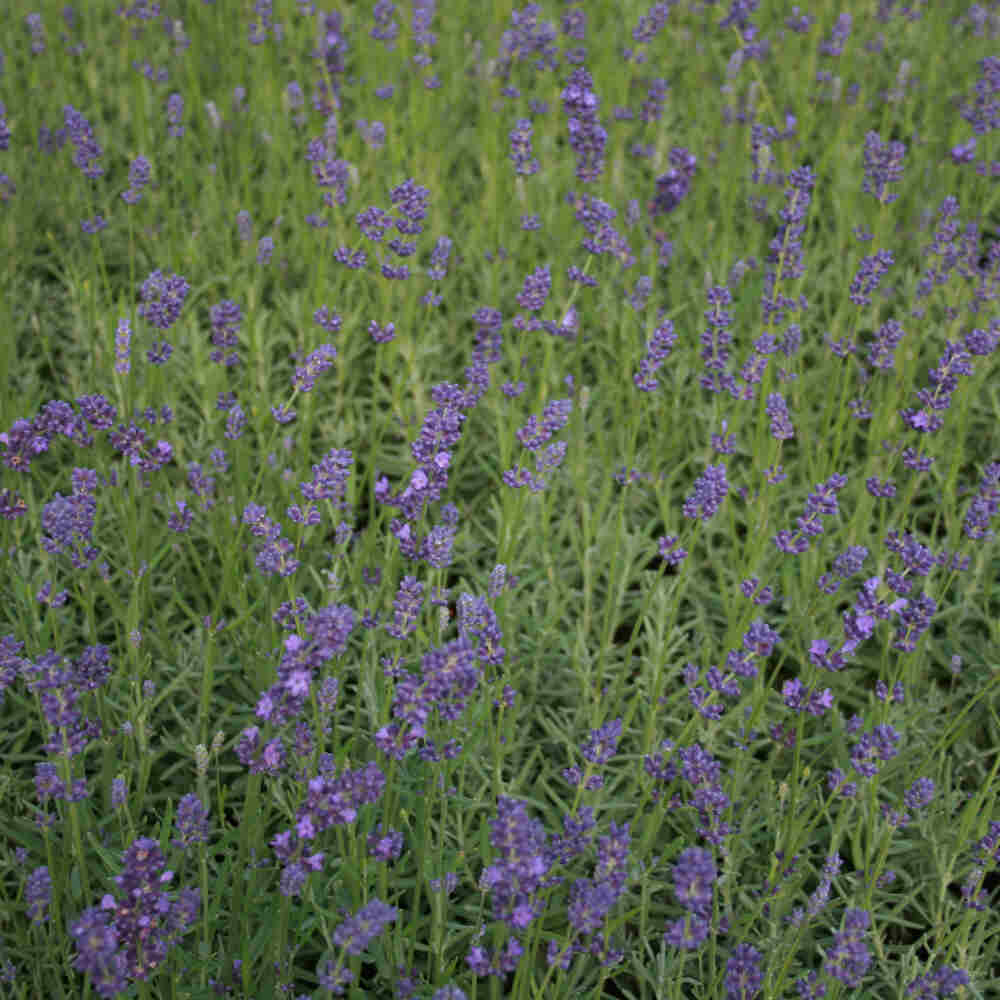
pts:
[175, 116]
[744, 975]
[275, 556]
[385, 846]
[330, 801]
[439, 258]
[68, 522]
[587, 137]
[162, 298]
[535, 292]
[694, 875]
[658, 348]
[673, 186]
[356, 933]
[595, 216]
[848, 959]
[226, 319]
[822, 502]
[521, 154]
[447, 680]
[330, 173]
[781, 424]
[785, 250]
[883, 166]
[984, 505]
[123, 347]
[327, 632]
[406, 607]
[710, 489]
[516, 878]
[86, 149]
[882, 351]
[527, 39]
[478, 623]
[879, 745]
[533, 435]
[139, 173]
[983, 112]
[597, 750]
[385, 29]
[329, 481]
[715, 341]
[820, 896]
[871, 271]
[192, 822]
[942, 982]
[954, 361]
[60, 685]
[841, 31]
[316, 363]
[591, 900]
[130, 934]
[432, 451]
[38, 894]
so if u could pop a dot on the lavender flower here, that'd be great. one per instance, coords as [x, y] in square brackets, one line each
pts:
[694, 874]
[658, 348]
[537, 286]
[821, 503]
[119, 793]
[406, 607]
[954, 361]
[983, 112]
[175, 114]
[123, 341]
[883, 166]
[329, 481]
[449, 993]
[834, 45]
[138, 177]
[130, 936]
[192, 822]
[520, 148]
[81, 135]
[226, 318]
[743, 973]
[870, 272]
[710, 489]
[881, 353]
[97, 952]
[33, 22]
[478, 623]
[38, 894]
[673, 186]
[162, 299]
[68, 522]
[244, 225]
[587, 137]
[849, 958]
[820, 895]
[781, 424]
[515, 879]
[316, 363]
[984, 505]
[356, 933]
[385, 847]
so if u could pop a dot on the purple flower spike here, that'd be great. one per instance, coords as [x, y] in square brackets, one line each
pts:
[883, 166]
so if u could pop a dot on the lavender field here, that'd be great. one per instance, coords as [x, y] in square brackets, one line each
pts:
[500, 502]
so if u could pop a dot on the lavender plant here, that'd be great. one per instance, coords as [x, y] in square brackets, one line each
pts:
[500, 501]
